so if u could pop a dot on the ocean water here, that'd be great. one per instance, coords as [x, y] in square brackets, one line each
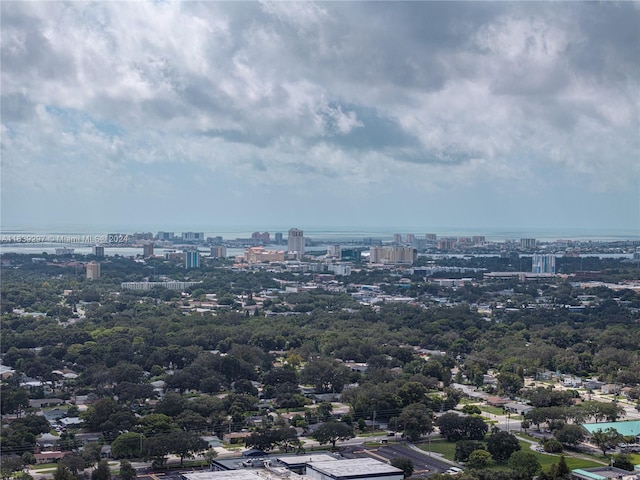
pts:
[332, 233]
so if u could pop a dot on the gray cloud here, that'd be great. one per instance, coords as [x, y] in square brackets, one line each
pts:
[361, 94]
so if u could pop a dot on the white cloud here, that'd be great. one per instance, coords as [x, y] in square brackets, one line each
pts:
[349, 98]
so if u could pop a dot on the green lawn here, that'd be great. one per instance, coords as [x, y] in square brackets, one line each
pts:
[547, 460]
[605, 459]
[526, 436]
[44, 467]
[441, 446]
[491, 410]
[448, 450]
[377, 433]
[573, 463]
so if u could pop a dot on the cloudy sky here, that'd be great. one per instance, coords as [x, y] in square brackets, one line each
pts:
[425, 114]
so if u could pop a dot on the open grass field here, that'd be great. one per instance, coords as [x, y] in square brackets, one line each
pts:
[44, 467]
[491, 410]
[441, 446]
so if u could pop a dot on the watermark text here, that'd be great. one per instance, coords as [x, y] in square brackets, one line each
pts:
[107, 238]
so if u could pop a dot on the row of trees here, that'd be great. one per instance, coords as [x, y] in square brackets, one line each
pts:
[500, 447]
[557, 417]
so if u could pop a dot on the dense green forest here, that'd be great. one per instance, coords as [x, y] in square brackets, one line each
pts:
[118, 342]
[149, 328]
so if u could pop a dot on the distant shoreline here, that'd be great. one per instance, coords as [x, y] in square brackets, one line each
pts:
[343, 234]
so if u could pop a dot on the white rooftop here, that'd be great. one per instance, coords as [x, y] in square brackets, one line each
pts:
[307, 458]
[261, 474]
[228, 475]
[359, 466]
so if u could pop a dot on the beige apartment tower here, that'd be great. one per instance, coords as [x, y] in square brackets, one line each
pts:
[93, 270]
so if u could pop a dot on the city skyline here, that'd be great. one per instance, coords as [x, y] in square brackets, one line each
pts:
[484, 115]
[117, 234]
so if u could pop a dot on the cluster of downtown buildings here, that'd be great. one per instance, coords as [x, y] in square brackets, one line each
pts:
[338, 259]
[188, 249]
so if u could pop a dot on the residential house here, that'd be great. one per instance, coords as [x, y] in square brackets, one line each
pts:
[49, 457]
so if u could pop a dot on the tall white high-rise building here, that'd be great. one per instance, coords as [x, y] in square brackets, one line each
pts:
[543, 263]
[295, 242]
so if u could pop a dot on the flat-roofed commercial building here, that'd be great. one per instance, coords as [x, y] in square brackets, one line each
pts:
[603, 473]
[228, 475]
[628, 428]
[355, 469]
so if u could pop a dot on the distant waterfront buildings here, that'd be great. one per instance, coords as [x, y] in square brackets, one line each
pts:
[528, 243]
[193, 236]
[218, 252]
[543, 263]
[478, 239]
[192, 259]
[295, 242]
[93, 270]
[263, 238]
[165, 236]
[142, 237]
[447, 244]
[98, 251]
[334, 251]
[65, 251]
